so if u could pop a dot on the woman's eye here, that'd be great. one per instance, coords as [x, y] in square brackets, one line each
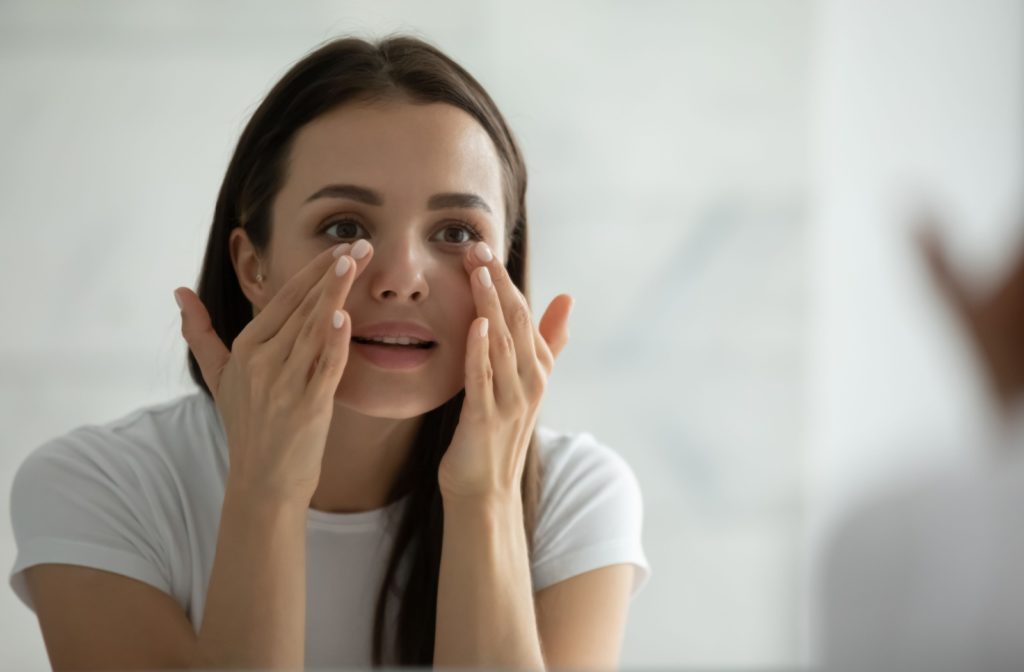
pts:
[343, 226]
[465, 228]
[348, 227]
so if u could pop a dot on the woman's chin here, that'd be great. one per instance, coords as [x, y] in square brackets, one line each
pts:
[388, 404]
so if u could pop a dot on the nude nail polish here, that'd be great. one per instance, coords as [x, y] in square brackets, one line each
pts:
[341, 266]
[483, 253]
[360, 249]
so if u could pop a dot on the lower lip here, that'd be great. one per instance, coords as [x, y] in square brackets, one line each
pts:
[389, 357]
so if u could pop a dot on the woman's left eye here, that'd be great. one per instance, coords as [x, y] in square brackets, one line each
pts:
[467, 228]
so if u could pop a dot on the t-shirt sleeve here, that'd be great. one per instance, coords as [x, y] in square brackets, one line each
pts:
[591, 513]
[80, 500]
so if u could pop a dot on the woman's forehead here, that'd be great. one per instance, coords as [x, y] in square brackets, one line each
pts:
[396, 148]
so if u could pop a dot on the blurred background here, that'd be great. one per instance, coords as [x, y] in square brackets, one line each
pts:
[767, 346]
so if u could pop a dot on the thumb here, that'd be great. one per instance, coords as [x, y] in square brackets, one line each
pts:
[202, 339]
[554, 325]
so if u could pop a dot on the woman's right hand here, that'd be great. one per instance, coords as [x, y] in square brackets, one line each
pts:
[275, 388]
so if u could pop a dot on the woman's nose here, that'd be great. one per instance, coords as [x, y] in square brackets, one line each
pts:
[398, 271]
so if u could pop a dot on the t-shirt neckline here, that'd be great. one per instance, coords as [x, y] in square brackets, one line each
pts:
[373, 518]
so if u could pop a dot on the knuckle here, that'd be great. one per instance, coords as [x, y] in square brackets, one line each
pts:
[518, 405]
[536, 383]
[521, 315]
[506, 345]
[308, 329]
[256, 360]
[291, 293]
[330, 363]
[547, 363]
[482, 376]
[306, 307]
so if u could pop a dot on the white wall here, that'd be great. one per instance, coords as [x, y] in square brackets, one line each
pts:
[668, 139]
[917, 103]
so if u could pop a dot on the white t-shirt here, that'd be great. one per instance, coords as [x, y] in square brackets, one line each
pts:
[141, 496]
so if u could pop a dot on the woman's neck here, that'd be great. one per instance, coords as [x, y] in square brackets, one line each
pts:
[362, 458]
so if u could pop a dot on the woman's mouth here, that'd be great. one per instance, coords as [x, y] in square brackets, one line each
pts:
[396, 342]
[394, 355]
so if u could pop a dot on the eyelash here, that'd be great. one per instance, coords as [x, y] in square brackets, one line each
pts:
[474, 232]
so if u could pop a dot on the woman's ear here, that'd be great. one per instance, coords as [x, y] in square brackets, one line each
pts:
[248, 269]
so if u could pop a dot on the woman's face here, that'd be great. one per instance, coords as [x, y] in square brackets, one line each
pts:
[404, 157]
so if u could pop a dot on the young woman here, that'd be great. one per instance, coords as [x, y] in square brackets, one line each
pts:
[359, 479]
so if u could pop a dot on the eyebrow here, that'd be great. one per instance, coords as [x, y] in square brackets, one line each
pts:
[457, 200]
[371, 197]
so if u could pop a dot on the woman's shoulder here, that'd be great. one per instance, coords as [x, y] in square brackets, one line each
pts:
[590, 509]
[170, 434]
[577, 471]
[118, 496]
[564, 453]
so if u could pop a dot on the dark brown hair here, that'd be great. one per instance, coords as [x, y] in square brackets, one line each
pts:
[339, 72]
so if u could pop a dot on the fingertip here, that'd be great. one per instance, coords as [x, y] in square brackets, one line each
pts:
[360, 249]
[181, 298]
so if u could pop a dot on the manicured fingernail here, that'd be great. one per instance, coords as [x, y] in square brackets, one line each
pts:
[177, 300]
[342, 266]
[361, 248]
[483, 327]
[338, 319]
[485, 276]
[341, 249]
[483, 253]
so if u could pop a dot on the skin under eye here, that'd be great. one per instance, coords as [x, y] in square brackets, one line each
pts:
[347, 224]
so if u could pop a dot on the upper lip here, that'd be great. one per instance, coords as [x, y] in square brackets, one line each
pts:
[394, 329]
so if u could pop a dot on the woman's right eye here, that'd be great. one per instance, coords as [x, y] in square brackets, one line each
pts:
[345, 224]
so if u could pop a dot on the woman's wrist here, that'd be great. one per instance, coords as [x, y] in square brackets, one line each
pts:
[253, 497]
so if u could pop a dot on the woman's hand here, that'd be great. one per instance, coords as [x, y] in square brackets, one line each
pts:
[506, 375]
[275, 388]
[994, 320]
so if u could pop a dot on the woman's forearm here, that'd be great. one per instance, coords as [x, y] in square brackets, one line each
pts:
[485, 611]
[255, 613]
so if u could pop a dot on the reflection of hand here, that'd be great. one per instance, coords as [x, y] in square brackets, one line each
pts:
[507, 368]
[995, 322]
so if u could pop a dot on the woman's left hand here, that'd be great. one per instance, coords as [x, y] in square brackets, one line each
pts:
[506, 375]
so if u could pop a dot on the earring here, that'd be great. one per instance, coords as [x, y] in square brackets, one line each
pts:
[259, 276]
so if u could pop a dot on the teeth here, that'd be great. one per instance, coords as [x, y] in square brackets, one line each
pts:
[400, 340]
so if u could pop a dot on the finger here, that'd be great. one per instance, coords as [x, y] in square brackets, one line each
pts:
[330, 366]
[317, 328]
[479, 374]
[501, 346]
[514, 308]
[284, 341]
[275, 315]
[544, 355]
[554, 328]
[210, 352]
